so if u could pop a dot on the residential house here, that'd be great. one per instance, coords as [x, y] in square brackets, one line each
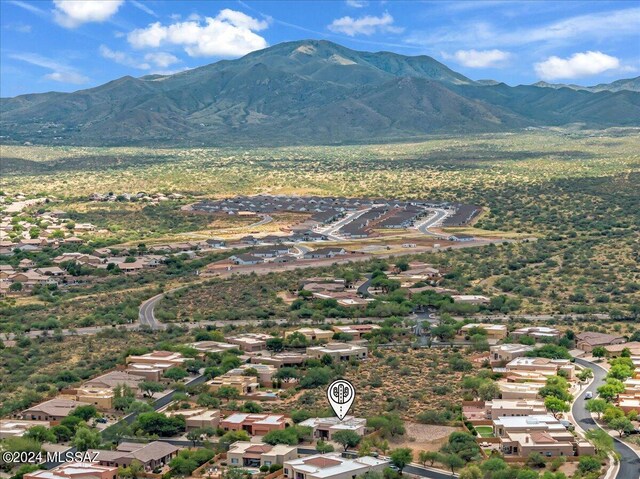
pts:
[246, 259]
[356, 330]
[281, 360]
[245, 385]
[17, 427]
[254, 424]
[544, 434]
[197, 418]
[588, 340]
[75, 470]
[250, 342]
[256, 455]
[536, 332]
[325, 427]
[264, 372]
[113, 379]
[494, 331]
[312, 334]
[510, 390]
[338, 351]
[52, 410]
[514, 407]
[325, 253]
[332, 466]
[470, 299]
[503, 353]
[152, 455]
[542, 366]
[101, 398]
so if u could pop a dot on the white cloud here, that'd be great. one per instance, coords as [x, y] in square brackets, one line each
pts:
[479, 58]
[366, 25]
[357, 3]
[122, 58]
[161, 59]
[229, 34]
[67, 77]
[73, 13]
[144, 8]
[59, 71]
[598, 26]
[154, 59]
[576, 66]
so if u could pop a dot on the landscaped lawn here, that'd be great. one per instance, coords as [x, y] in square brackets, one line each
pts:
[484, 431]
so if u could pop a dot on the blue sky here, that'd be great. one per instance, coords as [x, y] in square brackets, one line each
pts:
[66, 45]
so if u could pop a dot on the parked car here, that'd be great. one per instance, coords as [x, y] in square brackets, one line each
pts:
[589, 395]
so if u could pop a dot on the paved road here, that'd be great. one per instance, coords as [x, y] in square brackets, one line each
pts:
[146, 315]
[363, 289]
[433, 220]
[629, 460]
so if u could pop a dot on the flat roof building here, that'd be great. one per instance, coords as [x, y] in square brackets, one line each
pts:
[250, 342]
[338, 351]
[494, 331]
[75, 470]
[503, 353]
[254, 424]
[256, 455]
[326, 427]
[331, 466]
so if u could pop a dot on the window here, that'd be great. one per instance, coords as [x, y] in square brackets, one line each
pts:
[234, 460]
[267, 463]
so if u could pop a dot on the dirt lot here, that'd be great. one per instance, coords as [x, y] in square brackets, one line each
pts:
[423, 437]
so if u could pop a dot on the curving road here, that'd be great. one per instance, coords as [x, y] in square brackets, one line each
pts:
[433, 220]
[146, 315]
[629, 460]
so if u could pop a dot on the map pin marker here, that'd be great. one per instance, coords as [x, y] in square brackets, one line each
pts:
[341, 394]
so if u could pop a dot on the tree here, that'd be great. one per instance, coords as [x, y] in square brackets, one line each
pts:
[601, 440]
[62, 433]
[556, 406]
[453, 462]
[621, 424]
[132, 471]
[463, 444]
[535, 459]
[148, 388]
[599, 352]
[589, 464]
[86, 438]
[470, 472]
[227, 392]
[84, 412]
[275, 344]
[401, 457]
[346, 438]
[427, 456]
[157, 423]
[40, 434]
[324, 447]
[15, 287]
[585, 374]
[488, 390]
[596, 406]
[175, 373]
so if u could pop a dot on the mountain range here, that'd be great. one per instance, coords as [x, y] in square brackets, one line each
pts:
[307, 92]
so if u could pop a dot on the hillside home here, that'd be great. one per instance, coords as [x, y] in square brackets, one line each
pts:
[338, 351]
[332, 466]
[254, 424]
[256, 455]
[325, 427]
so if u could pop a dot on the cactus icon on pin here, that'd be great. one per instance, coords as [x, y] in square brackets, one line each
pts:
[341, 394]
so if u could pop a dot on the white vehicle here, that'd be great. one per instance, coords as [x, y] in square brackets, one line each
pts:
[589, 395]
